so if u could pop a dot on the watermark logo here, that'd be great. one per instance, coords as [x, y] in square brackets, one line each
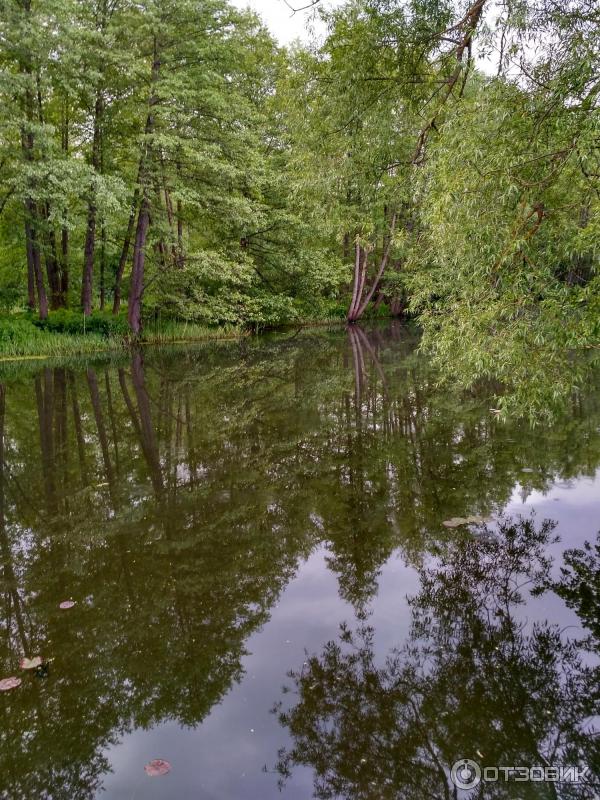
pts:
[467, 774]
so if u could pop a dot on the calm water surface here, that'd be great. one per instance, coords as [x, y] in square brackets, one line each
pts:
[266, 594]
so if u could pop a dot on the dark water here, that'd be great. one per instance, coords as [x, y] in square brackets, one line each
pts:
[266, 595]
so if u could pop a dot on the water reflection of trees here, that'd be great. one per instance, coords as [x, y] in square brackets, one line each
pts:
[473, 680]
[175, 499]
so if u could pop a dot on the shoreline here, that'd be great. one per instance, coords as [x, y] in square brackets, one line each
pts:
[78, 346]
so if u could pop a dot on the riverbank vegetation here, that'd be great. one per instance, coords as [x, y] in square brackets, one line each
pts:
[168, 161]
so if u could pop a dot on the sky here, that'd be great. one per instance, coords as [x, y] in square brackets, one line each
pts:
[284, 25]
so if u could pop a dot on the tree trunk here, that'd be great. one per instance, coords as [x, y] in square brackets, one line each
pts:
[181, 254]
[52, 263]
[50, 252]
[358, 306]
[90, 235]
[136, 292]
[30, 266]
[64, 238]
[35, 278]
[102, 267]
[357, 271]
[126, 246]
[33, 252]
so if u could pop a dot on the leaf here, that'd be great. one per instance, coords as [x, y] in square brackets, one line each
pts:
[157, 767]
[67, 604]
[454, 522]
[9, 683]
[31, 663]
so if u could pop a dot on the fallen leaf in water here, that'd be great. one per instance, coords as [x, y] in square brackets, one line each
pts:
[157, 767]
[31, 663]
[454, 522]
[9, 683]
[67, 604]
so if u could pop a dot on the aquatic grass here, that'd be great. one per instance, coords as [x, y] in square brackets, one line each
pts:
[174, 331]
[22, 339]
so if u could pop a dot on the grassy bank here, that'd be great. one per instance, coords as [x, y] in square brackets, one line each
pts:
[21, 338]
[67, 334]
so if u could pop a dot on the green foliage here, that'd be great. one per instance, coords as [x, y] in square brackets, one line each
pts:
[65, 320]
[262, 169]
[17, 331]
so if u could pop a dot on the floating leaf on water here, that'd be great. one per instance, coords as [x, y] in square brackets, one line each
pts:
[67, 604]
[31, 663]
[9, 683]
[157, 767]
[454, 522]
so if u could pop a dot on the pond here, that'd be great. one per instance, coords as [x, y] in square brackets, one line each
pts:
[296, 566]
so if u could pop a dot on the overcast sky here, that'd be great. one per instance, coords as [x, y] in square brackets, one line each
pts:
[284, 25]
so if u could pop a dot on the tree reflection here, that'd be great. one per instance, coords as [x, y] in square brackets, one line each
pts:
[473, 679]
[174, 495]
[579, 587]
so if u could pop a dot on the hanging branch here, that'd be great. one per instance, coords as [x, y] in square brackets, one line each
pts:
[302, 8]
[466, 28]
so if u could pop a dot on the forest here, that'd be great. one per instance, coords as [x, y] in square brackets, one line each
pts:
[166, 162]
[345, 556]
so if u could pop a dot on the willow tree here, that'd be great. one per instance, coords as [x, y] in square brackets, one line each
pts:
[504, 271]
[368, 102]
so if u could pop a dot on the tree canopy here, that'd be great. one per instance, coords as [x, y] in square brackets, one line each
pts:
[438, 159]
